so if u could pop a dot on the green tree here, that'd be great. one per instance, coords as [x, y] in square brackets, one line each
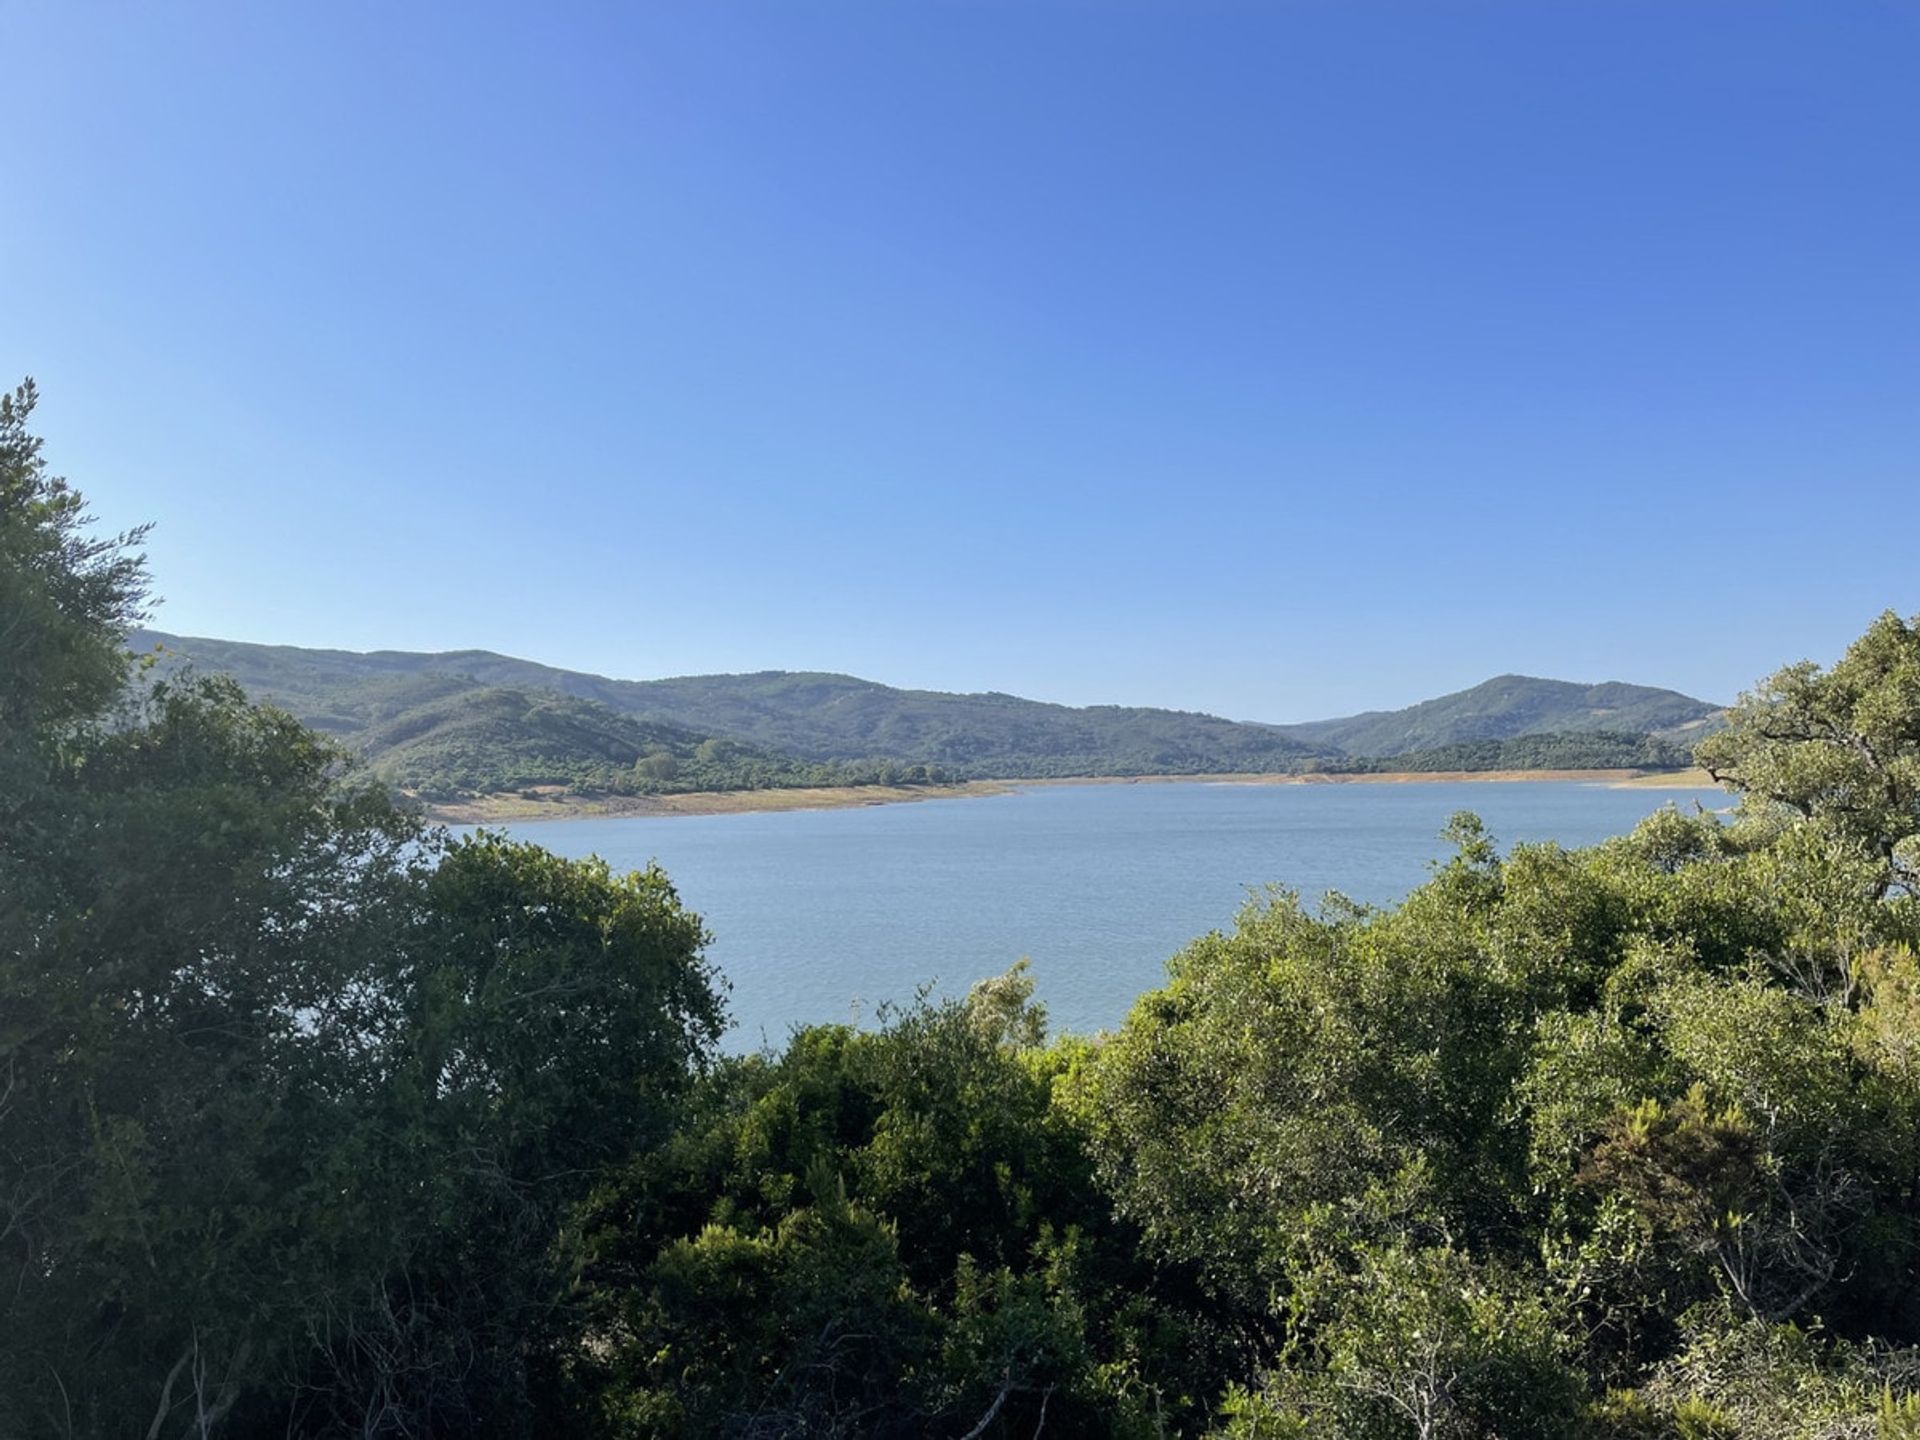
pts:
[541, 1022]
[1301, 1059]
[295, 1098]
[66, 594]
[1396, 1339]
[1839, 747]
[182, 1033]
[884, 1233]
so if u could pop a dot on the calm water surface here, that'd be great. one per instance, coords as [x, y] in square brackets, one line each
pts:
[822, 914]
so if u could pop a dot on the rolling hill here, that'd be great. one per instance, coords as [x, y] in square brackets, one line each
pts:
[466, 718]
[808, 716]
[1513, 705]
[486, 739]
[1549, 750]
[443, 735]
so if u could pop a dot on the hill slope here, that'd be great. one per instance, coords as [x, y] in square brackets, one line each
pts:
[485, 739]
[1548, 750]
[435, 717]
[1510, 706]
[810, 716]
[446, 735]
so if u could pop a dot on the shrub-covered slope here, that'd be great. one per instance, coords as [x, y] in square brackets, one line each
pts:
[1592, 750]
[1509, 706]
[487, 739]
[444, 734]
[814, 717]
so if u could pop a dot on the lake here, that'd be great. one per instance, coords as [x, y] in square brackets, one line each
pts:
[819, 915]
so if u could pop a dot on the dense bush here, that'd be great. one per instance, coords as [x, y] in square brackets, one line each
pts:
[295, 1098]
[1586, 750]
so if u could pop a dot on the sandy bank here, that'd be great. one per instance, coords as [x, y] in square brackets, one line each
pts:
[549, 803]
[1637, 779]
[552, 804]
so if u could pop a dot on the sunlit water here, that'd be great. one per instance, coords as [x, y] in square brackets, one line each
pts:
[821, 915]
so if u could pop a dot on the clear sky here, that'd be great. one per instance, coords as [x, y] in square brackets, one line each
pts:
[1278, 359]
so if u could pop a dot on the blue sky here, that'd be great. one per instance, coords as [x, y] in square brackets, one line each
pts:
[1277, 359]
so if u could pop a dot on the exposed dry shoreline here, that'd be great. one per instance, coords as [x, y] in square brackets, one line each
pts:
[550, 803]
[1694, 779]
[1634, 779]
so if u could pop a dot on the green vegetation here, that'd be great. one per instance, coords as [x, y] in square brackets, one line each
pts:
[314, 1123]
[1841, 748]
[819, 719]
[487, 740]
[296, 1100]
[990, 736]
[471, 721]
[1515, 705]
[444, 736]
[1588, 750]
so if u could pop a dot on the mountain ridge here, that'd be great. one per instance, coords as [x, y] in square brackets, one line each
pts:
[812, 716]
[804, 718]
[1508, 706]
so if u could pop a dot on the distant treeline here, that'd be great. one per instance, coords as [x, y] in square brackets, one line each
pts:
[490, 753]
[492, 740]
[447, 737]
[472, 721]
[1592, 750]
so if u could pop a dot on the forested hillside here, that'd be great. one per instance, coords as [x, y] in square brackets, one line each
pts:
[1588, 750]
[787, 722]
[811, 717]
[443, 735]
[489, 739]
[1510, 706]
[986, 735]
[315, 1123]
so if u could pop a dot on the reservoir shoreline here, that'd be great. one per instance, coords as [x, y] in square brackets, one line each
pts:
[551, 804]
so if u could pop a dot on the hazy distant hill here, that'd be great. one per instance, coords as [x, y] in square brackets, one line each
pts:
[444, 734]
[1585, 750]
[475, 714]
[984, 734]
[489, 738]
[813, 717]
[1514, 705]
